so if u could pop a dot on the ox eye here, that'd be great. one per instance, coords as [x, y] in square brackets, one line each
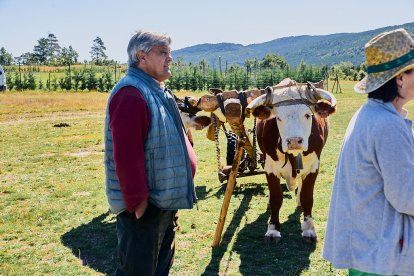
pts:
[307, 116]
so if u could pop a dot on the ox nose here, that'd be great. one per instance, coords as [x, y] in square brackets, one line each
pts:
[294, 143]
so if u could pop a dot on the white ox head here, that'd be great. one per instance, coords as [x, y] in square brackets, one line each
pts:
[293, 105]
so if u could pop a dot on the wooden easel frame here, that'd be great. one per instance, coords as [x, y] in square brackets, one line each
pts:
[229, 191]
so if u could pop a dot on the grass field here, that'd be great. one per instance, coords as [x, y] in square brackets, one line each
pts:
[54, 219]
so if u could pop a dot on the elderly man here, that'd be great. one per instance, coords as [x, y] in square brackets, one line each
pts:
[149, 161]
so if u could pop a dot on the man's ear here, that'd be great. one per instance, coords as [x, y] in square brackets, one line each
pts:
[140, 56]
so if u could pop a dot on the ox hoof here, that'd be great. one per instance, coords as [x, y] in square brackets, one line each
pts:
[272, 235]
[308, 230]
[309, 239]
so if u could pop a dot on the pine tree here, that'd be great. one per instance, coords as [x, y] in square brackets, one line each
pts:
[40, 85]
[31, 82]
[41, 51]
[53, 48]
[92, 80]
[98, 51]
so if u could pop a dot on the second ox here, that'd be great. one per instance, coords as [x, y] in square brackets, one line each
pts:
[291, 133]
[189, 117]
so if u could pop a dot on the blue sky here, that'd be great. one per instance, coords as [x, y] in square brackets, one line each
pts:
[79, 22]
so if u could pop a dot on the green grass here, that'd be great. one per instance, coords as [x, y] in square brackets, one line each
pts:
[54, 219]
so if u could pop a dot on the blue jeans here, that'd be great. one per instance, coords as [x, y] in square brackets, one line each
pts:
[146, 246]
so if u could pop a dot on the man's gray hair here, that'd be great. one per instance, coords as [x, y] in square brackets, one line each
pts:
[144, 41]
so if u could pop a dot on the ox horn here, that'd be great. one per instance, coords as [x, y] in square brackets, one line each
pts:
[314, 94]
[325, 95]
[265, 99]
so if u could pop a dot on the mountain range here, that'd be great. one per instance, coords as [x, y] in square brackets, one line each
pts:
[316, 50]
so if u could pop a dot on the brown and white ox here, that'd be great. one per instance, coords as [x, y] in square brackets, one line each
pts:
[291, 133]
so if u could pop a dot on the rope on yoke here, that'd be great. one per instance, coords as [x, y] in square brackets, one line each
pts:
[216, 141]
[255, 158]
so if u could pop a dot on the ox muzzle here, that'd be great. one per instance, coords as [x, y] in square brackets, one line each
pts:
[294, 143]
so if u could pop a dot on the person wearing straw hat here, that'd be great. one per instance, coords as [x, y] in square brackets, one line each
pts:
[370, 228]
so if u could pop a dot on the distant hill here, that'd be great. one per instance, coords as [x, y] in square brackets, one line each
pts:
[320, 49]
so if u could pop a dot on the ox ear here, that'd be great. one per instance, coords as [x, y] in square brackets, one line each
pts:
[202, 122]
[324, 109]
[262, 112]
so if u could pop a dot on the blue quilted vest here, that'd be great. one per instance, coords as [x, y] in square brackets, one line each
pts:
[167, 162]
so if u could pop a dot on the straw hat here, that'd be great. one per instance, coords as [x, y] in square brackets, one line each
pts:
[386, 55]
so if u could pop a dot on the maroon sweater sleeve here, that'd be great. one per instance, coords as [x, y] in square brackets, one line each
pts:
[191, 155]
[129, 123]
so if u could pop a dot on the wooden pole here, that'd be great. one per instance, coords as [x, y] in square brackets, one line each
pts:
[229, 190]
[339, 86]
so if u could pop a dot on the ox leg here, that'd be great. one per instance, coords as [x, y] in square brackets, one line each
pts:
[275, 203]
[306, 200]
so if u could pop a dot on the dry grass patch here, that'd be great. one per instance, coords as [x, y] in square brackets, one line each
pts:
[41, 102]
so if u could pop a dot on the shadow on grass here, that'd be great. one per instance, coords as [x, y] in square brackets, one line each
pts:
[289, 257]
[203, 193]
[248, 191]
[95, 243]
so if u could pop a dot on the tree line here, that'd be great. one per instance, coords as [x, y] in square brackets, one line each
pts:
[185, 76]
[96, 78]
[255, 73]
[47, 51]
[23, 72]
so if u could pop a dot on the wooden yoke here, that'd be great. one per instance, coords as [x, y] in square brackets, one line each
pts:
[233, 111]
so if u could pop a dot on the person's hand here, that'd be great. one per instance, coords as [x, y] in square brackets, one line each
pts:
[140, 210]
